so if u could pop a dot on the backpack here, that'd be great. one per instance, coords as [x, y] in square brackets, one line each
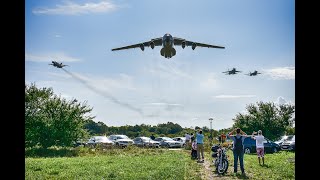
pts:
[238, 146]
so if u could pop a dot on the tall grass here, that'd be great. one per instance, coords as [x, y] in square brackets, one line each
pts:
[280, 165]
[128, 163]
[147, 163]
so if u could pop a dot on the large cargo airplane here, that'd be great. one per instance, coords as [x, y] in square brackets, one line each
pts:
[167, 42]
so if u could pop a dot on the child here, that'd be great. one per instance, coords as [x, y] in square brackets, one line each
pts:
[194, 149]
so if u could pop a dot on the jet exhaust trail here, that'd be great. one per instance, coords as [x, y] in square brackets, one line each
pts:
[104, 94]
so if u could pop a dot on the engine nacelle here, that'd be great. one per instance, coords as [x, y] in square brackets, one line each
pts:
[183, 44]
[194, 45]
[142, 47]
[152, 44]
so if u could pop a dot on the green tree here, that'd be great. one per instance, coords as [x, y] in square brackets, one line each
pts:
[51, 120]
[273, 120]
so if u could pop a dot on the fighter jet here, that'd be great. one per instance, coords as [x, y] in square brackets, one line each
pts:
[168, 42]
[58, 65]
[253, 74]
[232, 71]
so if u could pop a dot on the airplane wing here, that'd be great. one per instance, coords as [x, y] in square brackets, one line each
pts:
[178, 41]
[156, 41]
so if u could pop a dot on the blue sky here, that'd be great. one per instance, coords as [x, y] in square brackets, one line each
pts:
[133, 86]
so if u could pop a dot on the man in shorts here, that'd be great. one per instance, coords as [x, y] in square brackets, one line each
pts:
[259, 145]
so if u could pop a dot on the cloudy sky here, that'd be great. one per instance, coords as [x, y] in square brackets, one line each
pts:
[133, 86]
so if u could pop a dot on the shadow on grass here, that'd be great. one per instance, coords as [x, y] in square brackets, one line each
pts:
[232, 175]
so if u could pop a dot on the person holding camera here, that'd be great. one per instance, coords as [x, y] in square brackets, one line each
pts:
[238, 151]
[259, 145]
[200, 148]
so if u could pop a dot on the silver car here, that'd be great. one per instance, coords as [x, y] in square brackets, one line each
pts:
[121, 140]
[168, 142]
[181, 139]
[99, 140]
[145, 142]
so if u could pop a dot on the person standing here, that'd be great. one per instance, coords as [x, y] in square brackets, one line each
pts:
[259, 145]
[188, 137]
[238, 151]
[200, 148]
[192, 137]
[152, 137]
[223, 138]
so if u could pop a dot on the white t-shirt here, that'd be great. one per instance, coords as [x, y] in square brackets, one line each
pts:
[188, 137]
[259, 141]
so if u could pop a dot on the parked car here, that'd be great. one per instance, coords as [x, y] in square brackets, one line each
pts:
[181, 139]
[249, 146]
[145, 142]
[79, 143]
[99, 140]
[289, 144]
[121, 140]
[168, 142]
[283, 139]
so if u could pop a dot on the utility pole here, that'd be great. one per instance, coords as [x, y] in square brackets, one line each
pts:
[210, 119]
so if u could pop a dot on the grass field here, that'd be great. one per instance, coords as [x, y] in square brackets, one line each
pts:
[279, 165]
[139, 163]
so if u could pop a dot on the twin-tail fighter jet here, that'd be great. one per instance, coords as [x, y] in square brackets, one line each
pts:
[232, 71]
[167, 42]
[254, 73]
[58, 65]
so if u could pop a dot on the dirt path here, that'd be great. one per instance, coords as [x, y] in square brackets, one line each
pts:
[209, 172]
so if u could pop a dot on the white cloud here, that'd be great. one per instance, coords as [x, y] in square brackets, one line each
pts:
[50, 57]
[281, 73]
[233, 96]
[72, 8]
[209, 82]
[280, 100]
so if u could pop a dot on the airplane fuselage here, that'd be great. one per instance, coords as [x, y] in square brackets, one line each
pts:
[167, 49]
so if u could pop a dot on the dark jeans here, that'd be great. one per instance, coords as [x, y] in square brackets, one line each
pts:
[236, 155]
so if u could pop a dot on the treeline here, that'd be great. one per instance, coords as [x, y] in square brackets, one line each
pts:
[51, 120]
[169, 129]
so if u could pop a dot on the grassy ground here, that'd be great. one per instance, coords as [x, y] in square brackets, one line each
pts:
[136, 163]
[139, 163]
[279, 165]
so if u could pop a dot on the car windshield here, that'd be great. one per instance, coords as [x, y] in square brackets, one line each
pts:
[123, 137]
[290, 138]
[101, 138]
[167, 139]
[285, 138]
[145, 139]
[293, 138]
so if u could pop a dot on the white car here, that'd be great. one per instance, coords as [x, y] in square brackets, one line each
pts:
[99, 140]
[168, 142]
[145, 142]
[121, 140]
[181, 139]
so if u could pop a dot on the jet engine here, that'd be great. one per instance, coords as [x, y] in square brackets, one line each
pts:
[183, 44]
[142, 47]
[173, 52]
[194, 45]
[152, 44]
